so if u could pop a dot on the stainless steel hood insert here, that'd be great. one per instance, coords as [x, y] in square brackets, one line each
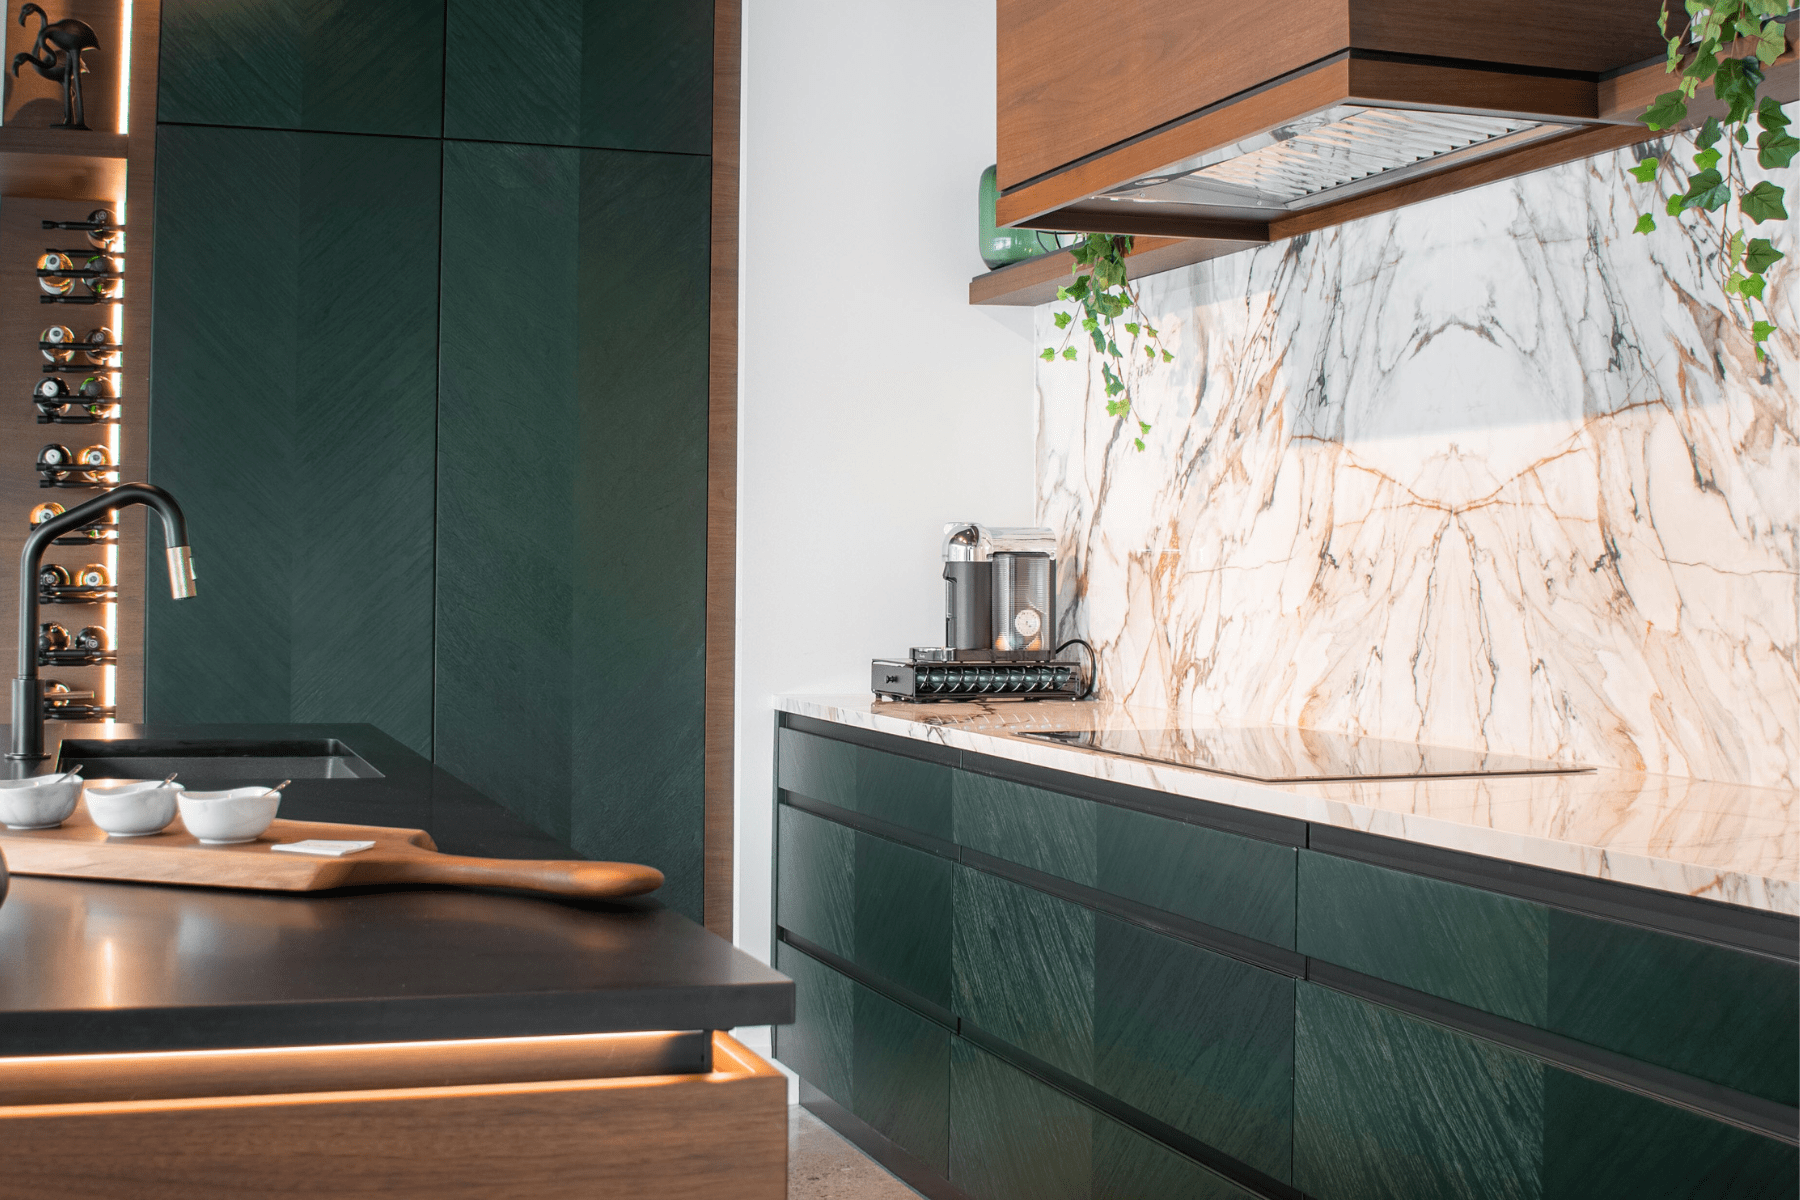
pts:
[1331, 154]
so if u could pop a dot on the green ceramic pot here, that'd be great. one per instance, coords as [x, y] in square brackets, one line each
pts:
[1001, 246]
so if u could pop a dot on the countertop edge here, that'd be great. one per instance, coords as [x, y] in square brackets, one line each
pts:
[1744, 889]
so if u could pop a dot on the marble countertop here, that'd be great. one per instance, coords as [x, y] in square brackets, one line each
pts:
[1719, 841]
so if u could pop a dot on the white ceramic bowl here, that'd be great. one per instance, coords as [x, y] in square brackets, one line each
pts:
[132, 809]
[222, 818]
[41, 803]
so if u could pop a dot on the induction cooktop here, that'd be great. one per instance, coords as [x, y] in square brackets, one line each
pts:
[1284, 754]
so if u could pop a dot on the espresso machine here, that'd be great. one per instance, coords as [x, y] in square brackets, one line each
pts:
[1000, 636]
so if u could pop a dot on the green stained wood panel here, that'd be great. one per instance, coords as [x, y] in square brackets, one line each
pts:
[903, 791]
[1601, 1143]
[1386, 1106]
[1235, 883]
[815, 881]
[1199, 1041]
[293, 420]
[1024, 969]
[1487, 951]
[637, 534]
[903, 916]
[900, 1077]
[588, 73]
[506, 498]
[1130, 1166]
[1046, 831]
[819, 1046]
[1012, 1137]
[1717, 1014]
[343, 66]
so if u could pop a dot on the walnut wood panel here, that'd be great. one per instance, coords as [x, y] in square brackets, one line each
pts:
[183, 1075]
[22, 319]
[1304, 92]
[39, 163]
[1625, 96]
[672, 1137]
[1036, 280]
[79, 849]
[721, 477]
[1066, 91]
[1539, 33]
[140, 204]
[1435, 85]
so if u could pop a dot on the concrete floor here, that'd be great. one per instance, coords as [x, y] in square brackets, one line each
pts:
[823, 1166]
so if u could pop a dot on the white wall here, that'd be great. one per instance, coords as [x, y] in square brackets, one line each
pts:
[875, 403]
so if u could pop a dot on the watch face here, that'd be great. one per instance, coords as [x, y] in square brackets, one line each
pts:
[1027, 622]
[54, 456]
[93, 576]
[44, 512]
[52, 388]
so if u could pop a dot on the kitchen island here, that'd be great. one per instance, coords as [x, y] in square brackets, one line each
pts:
[1027, 969]
[377, 1041]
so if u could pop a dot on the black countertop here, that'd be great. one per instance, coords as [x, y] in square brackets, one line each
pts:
[89, 967]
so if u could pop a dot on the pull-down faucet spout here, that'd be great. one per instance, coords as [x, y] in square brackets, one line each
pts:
[28, 689]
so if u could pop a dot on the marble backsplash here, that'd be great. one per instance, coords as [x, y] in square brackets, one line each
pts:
[1487, 471]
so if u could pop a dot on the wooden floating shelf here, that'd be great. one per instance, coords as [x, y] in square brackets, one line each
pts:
[51, 164]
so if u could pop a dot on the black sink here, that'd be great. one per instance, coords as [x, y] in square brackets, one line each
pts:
[217, 761]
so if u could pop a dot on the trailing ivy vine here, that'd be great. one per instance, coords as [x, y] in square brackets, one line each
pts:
[1717, 174]
[1106, 297]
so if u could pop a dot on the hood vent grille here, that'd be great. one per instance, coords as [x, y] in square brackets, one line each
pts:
[1330, 154]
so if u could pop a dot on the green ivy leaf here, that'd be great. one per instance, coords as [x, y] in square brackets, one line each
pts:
[1764, 203]
[1742, 135]
[1760, 255]
[1645, 172]
[1735, 85]
[1645, 224]
[1734, 248]
[1709, 136]
[1675, 205]
[1062, 320]
[1116, 408]
[1761, 331]
[1775, 149]
[1139, 443]
[1752, 287]
[1770, 43]
[1167, 357]
[1733, 283]
[1143, 426]
[1768, 8]
[1769, 114]
[1706, 160]
[1670, 109]
[1708, 190]
[1131, 327]
[1049, 354]
[1071, 354]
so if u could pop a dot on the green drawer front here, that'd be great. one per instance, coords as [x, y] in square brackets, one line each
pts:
[1717, 1014]
[1199, 1041]
[884, 906]
[903, 791]
[815, 880]
[1231, 882]
[819, 1045]
[879, 1059]
[1016, 1138]
[1389, 1106]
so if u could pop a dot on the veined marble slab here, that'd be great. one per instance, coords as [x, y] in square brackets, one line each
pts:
[1491, 470]
[1722, 841]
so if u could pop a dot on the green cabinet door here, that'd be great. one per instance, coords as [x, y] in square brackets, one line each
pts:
[336, 66]
[571, 495]
[907, 792]
[581, 73]
[295, 397]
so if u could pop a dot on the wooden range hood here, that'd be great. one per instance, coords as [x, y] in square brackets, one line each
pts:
[1207, 132]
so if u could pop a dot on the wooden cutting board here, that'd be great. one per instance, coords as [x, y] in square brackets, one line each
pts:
[82, 850]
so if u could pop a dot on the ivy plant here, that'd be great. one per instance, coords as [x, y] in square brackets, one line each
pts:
[1109, 308]
[1716, 176]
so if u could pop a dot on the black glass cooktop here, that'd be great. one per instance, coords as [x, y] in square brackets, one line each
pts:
[1283, 754]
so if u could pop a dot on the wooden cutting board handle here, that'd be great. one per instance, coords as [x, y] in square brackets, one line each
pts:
[589, 879]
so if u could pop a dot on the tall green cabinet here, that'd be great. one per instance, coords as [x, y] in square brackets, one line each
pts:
[430, 379]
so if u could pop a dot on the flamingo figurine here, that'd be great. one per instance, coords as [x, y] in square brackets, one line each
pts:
[62, 63]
